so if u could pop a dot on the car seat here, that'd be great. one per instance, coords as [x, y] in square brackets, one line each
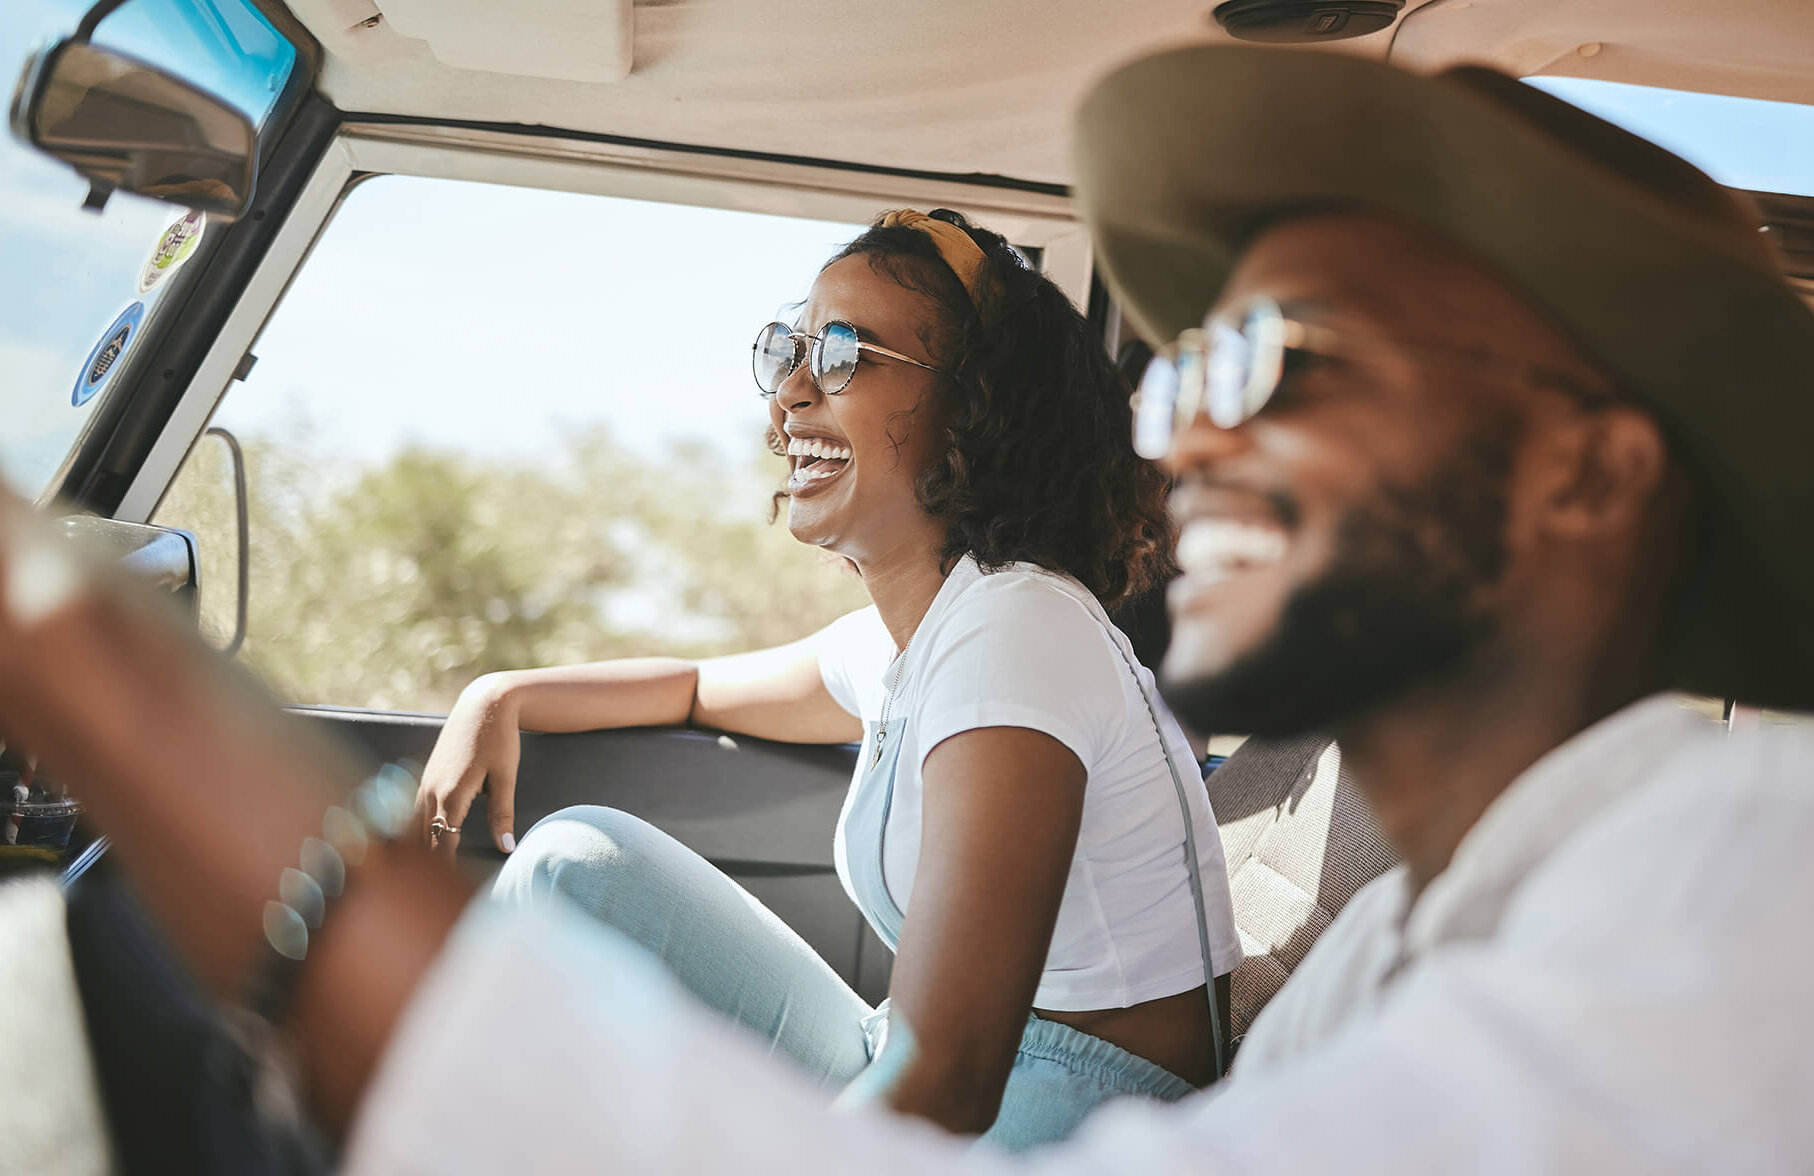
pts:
[1299, 841]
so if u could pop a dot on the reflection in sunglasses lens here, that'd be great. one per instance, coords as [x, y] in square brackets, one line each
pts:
[835, 360]
[1157, 404]
[775, 357]
[1230, 373]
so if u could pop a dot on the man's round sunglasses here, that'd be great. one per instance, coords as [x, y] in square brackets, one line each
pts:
[1231, 367]
[1228, 368]
[834, 354]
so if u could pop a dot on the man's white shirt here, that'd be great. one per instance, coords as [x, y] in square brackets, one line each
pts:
[1611, 976]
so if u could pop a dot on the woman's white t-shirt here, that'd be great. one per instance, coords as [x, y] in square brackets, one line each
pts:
[1025, 647]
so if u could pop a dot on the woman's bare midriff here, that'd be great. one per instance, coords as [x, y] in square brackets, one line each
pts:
[1172, 1031]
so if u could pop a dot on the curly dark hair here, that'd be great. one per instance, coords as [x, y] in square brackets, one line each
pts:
[1039, 464]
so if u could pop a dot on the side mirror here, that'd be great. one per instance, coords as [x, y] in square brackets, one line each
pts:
[126, 125]
[163, 557]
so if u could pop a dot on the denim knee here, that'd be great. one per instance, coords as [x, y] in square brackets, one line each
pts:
[575, 852]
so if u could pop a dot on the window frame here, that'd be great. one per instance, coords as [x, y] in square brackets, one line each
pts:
[1041, 219]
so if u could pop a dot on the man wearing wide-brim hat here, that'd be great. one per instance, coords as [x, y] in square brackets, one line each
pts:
[1487, 423]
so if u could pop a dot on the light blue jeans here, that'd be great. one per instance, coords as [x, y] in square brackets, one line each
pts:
[739, 958]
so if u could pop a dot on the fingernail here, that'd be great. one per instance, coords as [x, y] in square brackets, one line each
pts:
[508, 841]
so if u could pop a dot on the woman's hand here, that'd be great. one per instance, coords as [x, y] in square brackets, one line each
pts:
[479, 747]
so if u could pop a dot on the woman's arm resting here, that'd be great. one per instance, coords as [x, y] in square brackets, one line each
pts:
[771, 693]
[626, 692]
[481, 741]
[1002, 810]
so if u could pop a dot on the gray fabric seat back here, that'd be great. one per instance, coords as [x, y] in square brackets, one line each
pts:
[1299, 841]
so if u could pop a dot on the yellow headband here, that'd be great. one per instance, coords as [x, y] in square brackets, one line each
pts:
[964, 256]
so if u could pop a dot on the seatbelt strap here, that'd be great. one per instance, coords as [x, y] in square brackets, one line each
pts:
[1192, 868]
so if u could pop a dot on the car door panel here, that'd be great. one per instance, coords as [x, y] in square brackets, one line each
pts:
[762, 812]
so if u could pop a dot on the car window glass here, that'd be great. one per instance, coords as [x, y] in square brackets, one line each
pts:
[494, 427]
[1741, 142]
[78, 290]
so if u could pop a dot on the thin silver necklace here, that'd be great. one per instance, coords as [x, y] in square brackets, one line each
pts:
[900, 667]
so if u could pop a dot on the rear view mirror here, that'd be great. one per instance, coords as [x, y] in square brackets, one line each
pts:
[126, 125]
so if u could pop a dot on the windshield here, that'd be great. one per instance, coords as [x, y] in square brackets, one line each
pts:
[77, 289]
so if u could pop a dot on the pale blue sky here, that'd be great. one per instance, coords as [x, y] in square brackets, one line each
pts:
[499, 320]
[1741, 142]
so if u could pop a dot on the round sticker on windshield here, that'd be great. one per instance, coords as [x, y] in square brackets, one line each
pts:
[105, 359]
[174, 247]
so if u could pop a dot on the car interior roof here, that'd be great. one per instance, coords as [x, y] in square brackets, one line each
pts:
[951, 86]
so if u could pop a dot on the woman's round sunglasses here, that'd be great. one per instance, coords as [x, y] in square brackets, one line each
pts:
[834, 353]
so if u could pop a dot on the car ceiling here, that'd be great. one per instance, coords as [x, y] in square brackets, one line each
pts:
[950, 86]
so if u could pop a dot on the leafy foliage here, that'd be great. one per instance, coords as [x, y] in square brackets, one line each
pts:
[394, 586]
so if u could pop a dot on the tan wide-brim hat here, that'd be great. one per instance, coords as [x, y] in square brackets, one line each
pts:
[1661, 275]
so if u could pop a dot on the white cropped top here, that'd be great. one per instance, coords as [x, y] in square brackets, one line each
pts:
[1025, 647]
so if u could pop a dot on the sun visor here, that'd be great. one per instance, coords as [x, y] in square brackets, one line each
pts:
[551, 39]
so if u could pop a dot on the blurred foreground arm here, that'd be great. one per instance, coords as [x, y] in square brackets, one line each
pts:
[207, 791]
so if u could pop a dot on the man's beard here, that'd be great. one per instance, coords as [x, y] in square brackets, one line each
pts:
[1396, 608]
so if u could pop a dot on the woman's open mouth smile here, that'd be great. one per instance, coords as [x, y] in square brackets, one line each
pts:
[816, 463]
